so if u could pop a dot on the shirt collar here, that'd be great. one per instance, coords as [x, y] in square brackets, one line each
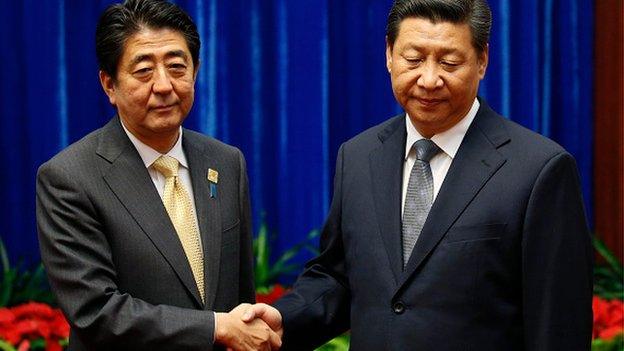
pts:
[449, 140]
[149, 155]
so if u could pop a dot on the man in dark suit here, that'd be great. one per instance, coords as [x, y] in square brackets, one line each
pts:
[451, 227]
[144, 226]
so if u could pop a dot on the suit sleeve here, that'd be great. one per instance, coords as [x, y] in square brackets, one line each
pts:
[77, 258]
[557, 262]
[318, 307]
[247, 288]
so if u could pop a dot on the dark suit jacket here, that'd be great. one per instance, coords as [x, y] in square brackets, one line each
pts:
[504, 261]
[112, 254]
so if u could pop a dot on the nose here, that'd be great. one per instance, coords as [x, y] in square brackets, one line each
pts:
[429, 77]
[162, 82]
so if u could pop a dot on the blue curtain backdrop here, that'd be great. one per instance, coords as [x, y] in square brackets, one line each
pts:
[285, 81]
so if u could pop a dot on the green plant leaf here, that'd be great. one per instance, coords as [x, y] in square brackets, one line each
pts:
[608, 279]
[283, 271]
[311, 249]
[339, 343]
[5, 346]
[8, 282]
[38, 344]
[266, 273]
[261, 253]
[19, 285]
[609, 257]
[4, 257]
[615, 344]
[263, 290]
[313, 234]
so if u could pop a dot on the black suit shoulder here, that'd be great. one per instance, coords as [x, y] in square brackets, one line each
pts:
[518, 144]
[530, 152]
[73, 156]
[75, 152]
[536, 142]
[519, 139]
[73, 162]
[374, 136]
[210, 144]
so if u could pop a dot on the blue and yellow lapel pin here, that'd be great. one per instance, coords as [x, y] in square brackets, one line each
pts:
[213, 178]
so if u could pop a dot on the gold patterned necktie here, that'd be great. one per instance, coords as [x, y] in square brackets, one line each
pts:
[178, 204]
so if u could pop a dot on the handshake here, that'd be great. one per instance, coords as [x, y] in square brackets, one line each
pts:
[249, 327]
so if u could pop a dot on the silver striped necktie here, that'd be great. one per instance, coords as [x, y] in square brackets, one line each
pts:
[419, 195]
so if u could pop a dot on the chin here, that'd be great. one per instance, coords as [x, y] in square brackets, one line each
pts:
[166, 119]
[424, 115]
[162, 126]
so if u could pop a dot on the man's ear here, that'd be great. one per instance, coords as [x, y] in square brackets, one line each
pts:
[483, 61]
[196, 71]
[388, 56]
[108, 84]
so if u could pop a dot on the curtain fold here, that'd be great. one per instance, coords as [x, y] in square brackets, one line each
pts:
[285, 81]
[541, 74]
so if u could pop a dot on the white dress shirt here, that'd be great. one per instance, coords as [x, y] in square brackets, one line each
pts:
[149, 155]
[448, 141]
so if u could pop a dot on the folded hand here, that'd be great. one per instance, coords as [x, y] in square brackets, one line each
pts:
[237, 334]
[266, 313]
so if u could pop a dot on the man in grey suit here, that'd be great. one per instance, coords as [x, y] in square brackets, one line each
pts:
[144, 226]
[451, 227]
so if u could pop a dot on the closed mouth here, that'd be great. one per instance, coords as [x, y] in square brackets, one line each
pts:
[429, 102]
[162, 107]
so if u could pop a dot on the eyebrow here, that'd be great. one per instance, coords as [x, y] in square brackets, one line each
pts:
[442, 50]
[148, 57]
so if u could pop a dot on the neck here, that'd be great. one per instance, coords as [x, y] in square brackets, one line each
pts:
[431, 129]
[162, 142]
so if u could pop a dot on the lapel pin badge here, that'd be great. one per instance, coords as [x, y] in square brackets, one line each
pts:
[213, 178]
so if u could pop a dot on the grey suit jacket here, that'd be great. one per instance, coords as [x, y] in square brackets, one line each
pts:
[113, 257]
[503, 262]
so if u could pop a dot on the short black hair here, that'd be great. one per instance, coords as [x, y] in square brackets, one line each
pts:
[476, 13]
[120, 21]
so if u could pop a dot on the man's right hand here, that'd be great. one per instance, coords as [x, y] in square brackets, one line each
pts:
[236, 334]
[269, 314]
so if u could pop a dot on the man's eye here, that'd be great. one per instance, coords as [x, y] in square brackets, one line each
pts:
[414, 60]
[143, 71]
[449, 64]
[177, 66]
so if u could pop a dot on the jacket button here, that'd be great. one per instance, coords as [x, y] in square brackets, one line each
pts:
[398, 307]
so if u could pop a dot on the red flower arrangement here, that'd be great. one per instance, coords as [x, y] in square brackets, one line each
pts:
[33, 322]
[274, 293]
[608, 318]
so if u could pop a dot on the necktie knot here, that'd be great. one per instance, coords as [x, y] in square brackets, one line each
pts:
[167, 166]
[425, 149]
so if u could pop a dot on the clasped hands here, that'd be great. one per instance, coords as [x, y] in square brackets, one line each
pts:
[250, 327]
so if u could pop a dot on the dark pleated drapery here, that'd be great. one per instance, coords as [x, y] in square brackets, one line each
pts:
[285, 81]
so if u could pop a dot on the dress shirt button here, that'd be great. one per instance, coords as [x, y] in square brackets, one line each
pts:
[398, 307]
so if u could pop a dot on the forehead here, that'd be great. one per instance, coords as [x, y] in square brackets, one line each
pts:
[155, 43]
[422, 31]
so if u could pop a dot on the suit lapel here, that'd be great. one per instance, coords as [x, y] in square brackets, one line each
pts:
[386, 168]
[129, 180]
[207, 209]
[474, 164]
